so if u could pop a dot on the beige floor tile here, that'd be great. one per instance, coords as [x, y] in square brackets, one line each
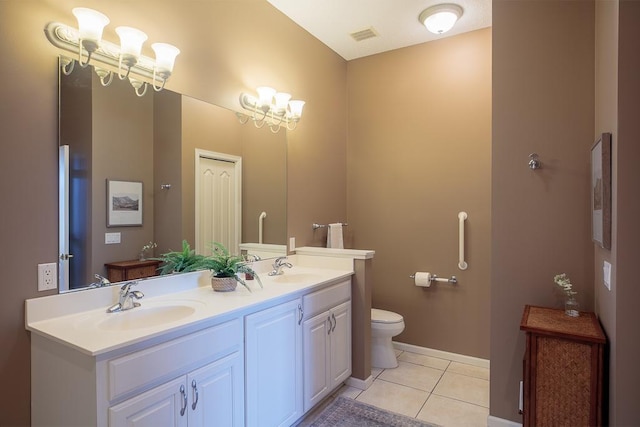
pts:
[421, 359]
[394, 397]
[412, 375]
[453, 413]
[347, 391]
[469, 370]
[465, 388]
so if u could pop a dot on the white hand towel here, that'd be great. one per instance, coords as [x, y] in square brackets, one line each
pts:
[334, 236]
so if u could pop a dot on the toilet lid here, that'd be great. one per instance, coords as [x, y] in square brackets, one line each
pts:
[384, 316]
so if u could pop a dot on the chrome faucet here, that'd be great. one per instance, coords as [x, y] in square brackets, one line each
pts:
[278, 265]
[126, 302]
[102, 281]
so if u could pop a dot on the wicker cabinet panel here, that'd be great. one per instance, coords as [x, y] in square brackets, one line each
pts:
[562, 368]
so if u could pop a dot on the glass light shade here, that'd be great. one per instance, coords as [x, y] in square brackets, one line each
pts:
[265, 95]
[91, 23]
[440, 18]
[282, 99]
[295, 107]
[165, 57]
[131, 40]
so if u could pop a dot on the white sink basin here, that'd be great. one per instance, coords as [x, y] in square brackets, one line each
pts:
[292, 277]
[144, 317]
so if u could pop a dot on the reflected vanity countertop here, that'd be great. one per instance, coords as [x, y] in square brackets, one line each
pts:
[172, 306]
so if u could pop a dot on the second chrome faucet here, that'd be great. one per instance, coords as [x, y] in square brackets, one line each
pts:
[278, 265]
[126, 298]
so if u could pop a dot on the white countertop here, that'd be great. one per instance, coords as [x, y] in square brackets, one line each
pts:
[78, 319]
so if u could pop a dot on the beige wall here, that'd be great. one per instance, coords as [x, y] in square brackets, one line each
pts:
[419, 153]
[543, 102]
[237, 54]
[606, 120]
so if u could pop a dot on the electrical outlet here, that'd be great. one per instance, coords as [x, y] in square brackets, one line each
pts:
[47, 276]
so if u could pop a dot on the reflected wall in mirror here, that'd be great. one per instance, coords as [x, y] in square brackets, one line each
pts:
[112, 134]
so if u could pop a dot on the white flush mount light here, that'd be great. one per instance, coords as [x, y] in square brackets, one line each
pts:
[440, 18]
[274, 108]
[109, 58]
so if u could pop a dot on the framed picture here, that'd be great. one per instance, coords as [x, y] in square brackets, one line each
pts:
[601, 191]
[124, 203]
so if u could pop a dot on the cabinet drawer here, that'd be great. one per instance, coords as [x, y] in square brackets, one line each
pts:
[165, 361]
[324, 299]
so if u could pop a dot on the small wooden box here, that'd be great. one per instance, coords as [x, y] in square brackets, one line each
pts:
[563, 366]
[130, 270]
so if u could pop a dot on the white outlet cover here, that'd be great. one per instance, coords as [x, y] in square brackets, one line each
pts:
[606, 272]
[47, 276]
[111, 238]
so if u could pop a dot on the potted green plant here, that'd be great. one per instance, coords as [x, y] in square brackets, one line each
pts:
[225, 268]
[180, 261]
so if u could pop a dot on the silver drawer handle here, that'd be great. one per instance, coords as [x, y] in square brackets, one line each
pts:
[195, 391]
[183, 392]
[335, 322]
[329, 328]
[301, 313]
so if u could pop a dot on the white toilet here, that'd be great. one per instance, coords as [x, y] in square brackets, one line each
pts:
[384, 326]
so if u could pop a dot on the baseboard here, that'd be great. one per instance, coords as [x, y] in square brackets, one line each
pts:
[469, 360]
[501, 422]
[358, 383]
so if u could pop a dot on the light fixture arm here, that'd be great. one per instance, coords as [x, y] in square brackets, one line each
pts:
[269, 114]
[139, 70]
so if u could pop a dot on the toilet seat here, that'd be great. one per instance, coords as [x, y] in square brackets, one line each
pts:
[384, 316]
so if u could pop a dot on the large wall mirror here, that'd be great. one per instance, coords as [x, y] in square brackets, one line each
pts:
[160, 168]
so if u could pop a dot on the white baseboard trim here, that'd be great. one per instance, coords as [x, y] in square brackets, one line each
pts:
[358, 383]
[501, 422]
[469, 360]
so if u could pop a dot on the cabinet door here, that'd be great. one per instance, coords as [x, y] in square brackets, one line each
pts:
[216, 393]
[340, 344]
[160, 407]
[316, 357]
[274, 365]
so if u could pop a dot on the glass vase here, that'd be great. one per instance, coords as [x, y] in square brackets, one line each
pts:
[571, 307]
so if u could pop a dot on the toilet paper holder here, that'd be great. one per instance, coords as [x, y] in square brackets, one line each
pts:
[434, 278]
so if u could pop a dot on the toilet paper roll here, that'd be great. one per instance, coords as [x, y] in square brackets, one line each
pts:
[423, 279]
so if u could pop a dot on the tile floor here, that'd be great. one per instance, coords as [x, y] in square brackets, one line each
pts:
[434, 390]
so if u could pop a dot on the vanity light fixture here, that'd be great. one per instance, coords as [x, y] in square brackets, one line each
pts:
[440, 18]
[274, 108]
[108, 58]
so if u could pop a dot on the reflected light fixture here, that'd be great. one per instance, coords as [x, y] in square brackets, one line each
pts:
[271, 107]
[440, 18]
[108, 58]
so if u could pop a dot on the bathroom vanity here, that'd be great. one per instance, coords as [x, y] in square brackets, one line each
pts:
[190, 356]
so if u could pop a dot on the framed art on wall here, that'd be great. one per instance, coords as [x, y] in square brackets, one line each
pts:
[601, 191]
[124, 203]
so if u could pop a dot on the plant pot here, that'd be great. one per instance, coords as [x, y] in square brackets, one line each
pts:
[224, 284]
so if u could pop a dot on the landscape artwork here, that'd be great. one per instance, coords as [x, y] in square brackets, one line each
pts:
[124, 203]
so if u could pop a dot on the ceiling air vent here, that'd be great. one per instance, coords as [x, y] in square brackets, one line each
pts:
[364, 34]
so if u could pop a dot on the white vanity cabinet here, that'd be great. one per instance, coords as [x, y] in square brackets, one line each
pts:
[201, 372]
[209, 396]
[274, 365]
[326, 341]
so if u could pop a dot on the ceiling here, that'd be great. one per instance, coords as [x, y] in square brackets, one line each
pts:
[395, 22]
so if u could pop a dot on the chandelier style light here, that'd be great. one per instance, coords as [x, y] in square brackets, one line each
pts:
[108, 58]
[276, 109]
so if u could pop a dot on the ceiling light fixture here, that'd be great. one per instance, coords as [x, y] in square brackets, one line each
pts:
[277, 109]
[108, 58]
[440, 18]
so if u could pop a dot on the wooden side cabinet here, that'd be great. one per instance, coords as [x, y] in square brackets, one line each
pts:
[131, 270]
[562, 368]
